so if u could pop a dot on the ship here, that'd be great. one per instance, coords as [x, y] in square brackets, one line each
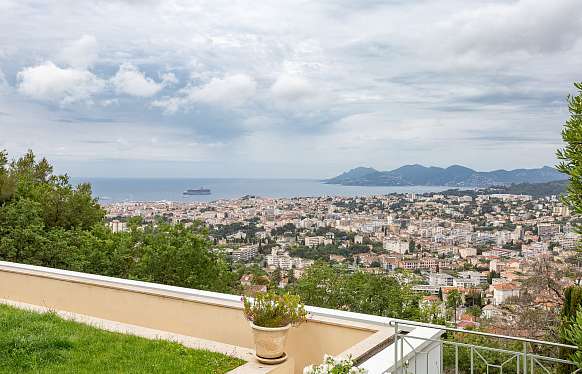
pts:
[200, 191]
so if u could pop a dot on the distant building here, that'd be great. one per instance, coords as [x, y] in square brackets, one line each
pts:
[313, 241]
[245, 253]
[504, 291]
[117, 226]
[440, 279]
[467, 252]
[548, 230]
[396, 245]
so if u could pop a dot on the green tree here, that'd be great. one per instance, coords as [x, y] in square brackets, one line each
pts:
[335, 287]
[571, 154]
[572, 304]
[571, 164]
[454, 299]
[45, 221]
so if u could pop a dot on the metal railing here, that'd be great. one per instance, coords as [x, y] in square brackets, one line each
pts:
[474, 352]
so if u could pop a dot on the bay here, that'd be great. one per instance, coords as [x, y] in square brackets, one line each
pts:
[109, 190]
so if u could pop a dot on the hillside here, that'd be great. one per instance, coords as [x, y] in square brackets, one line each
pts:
[454, 176]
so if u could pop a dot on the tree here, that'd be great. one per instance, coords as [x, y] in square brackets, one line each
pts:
[571, 154]
[335, 287]
[571, 164]
[572, 304]
[45, 221]
[454, 299]
[573, 335]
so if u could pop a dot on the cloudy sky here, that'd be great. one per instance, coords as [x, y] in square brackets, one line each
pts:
[228, 88]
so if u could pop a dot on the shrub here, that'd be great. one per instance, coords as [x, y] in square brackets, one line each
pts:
[332, 365]
[271, 310]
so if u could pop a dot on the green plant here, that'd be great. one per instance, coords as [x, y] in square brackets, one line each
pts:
[332, 365]
[571, 155]
[573, 335]
[271, 310]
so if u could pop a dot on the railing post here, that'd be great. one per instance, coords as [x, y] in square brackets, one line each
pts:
[472, 366]
[456, 359]
[395, 348]
[525, 357]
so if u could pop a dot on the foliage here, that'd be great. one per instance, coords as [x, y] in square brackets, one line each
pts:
[335, 287]
[480, 355]
[271, 310]
[47, 222]
[44, 343]
[60, 204]
[454, 299]
[571, 154]
[573, 335]
[332, 365]
[569, 315]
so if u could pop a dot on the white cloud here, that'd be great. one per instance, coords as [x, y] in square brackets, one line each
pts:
[231, 91]
[62, 85]
[81, 53]
[130, 81]
[3, 83]
[530, 26]
[169, 79]
[291, 88]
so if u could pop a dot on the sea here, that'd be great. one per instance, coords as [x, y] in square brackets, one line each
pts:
[111, 190]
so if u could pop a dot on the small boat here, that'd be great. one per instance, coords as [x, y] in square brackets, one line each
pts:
[200, 191]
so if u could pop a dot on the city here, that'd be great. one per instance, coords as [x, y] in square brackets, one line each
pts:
[291, 187]
[487, 247]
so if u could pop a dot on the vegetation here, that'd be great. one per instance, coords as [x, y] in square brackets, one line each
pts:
[571, 164]
[332, 365]
[47, 222]
[335, 287]
[534, 189]
[571, 154]
[569, 332]
[271, 310]
[45, 343]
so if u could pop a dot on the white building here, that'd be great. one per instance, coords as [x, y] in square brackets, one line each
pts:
[245, 253]
[117, 226]
[314, 241]
[396, 245]
[440, 279]
[467, 252]
[503, 291]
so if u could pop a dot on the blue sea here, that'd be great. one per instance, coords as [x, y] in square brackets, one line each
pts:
[109, 190]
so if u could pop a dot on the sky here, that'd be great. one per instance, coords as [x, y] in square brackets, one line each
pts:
[229, 88]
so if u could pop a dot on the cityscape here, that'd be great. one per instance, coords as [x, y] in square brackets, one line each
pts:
[485, 246]
[290, 187]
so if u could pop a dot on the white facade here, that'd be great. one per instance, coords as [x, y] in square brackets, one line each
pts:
[396, 245]
[502, 292]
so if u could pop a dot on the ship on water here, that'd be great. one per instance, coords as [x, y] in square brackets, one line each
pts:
[199, 191]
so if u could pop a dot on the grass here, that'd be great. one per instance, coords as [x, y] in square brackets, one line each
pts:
[45, 343]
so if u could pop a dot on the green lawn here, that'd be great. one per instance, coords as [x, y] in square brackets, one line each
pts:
[45, 343]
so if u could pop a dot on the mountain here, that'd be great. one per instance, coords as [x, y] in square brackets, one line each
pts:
[455, 176]
[534, 189]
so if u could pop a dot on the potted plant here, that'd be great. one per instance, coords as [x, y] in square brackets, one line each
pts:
[332, 365]
[271, 316]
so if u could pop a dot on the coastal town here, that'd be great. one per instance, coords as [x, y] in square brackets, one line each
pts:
[479, 254]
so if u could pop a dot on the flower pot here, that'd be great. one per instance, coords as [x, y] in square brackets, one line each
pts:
[270, 341]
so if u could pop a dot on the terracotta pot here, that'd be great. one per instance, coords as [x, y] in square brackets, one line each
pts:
[270, 341]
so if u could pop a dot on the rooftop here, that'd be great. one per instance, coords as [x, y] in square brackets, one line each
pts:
[214, 322]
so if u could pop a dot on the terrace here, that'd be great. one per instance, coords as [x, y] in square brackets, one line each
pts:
[214, 322]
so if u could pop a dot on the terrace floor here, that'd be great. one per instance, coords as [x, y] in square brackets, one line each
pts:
[47, 343]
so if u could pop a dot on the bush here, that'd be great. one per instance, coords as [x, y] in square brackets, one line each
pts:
[271, 310]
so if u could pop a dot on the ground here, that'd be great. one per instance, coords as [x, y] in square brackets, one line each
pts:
[45, 343]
